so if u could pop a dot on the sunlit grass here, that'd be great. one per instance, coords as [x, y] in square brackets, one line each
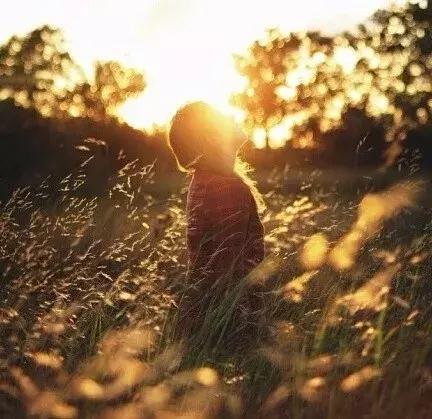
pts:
[90, 289]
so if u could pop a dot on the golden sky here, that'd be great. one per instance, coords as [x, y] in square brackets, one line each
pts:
[184, 46]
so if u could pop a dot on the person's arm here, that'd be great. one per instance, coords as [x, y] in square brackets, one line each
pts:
[197, 227]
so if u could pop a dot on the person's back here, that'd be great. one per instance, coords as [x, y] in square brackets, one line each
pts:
[224, 233]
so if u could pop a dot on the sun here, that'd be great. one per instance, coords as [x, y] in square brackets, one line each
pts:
[192, 61]
[156, 106]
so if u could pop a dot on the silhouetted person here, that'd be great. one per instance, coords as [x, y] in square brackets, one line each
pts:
[224, 232]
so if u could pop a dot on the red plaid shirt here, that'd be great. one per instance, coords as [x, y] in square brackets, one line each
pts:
[224, 233]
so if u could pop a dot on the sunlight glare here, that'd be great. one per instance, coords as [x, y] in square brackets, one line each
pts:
[185, 47]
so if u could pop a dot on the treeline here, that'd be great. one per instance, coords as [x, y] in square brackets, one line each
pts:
[357, 97]
[34, 149]
[354, 100]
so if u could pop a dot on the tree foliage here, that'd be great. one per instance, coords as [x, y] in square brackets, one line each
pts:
[295, 83]
[401, 39]
[37, 71]
[299, 85]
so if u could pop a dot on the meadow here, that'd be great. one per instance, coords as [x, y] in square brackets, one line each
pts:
[90, 287]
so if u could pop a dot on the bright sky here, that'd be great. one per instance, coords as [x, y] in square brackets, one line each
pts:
[184, 46]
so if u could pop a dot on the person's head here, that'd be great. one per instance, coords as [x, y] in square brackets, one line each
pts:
[201, 137]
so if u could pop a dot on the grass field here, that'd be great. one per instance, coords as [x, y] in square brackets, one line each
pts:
[89, 289]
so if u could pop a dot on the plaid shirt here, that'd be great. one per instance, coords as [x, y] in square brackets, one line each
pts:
[224, 233]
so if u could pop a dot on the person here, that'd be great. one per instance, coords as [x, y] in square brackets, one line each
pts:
[224, 232]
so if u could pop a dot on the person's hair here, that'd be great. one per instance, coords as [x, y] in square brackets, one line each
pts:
[196, 137]
[196, 133]
[243, 171]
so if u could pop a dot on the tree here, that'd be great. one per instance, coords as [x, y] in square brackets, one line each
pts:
[296, 84]
[113, 84]
[38, 72]
[401, 39]
[265, 68]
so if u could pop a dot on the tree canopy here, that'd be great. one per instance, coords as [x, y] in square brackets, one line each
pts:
[37, 71]
[300, 84]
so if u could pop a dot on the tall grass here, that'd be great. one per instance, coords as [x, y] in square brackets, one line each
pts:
[90, 288]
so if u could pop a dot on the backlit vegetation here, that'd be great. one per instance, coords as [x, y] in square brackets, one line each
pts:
[89, 292]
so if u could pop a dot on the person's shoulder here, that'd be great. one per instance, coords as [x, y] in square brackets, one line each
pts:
[229, 184]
